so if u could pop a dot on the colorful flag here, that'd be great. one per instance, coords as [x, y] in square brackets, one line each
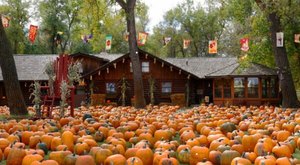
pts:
[244, 44]
[5, 21]
[142, 38]
[32, 33]
[85, 38]
[213, 47]
[108, 42]
[186, 43]
[279, 39]
[297, 38]
[166, 40]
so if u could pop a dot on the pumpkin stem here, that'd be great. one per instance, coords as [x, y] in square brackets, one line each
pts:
[132, 160]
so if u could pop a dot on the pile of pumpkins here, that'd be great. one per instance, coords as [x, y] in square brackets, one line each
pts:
[156, 135]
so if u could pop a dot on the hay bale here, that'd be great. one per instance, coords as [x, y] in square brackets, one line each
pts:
[98, 99]
[178, 99]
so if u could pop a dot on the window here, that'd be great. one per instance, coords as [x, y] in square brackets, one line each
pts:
[145, 67]
[227, 88]
[110, 88]
[166, 87]
[269, 88]
[239, 87]
[252, 87]
[218, 88]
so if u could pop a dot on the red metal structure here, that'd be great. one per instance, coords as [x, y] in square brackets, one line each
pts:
[61, 65]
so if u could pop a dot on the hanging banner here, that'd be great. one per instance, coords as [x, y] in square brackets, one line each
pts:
[84, 39]
[244, 44]
[32, 33]
[186, 43]
[279, 39]
[166, 40]
[297, 38]
[213, 47]
[108, 42]
[5, 21]
[142, 38]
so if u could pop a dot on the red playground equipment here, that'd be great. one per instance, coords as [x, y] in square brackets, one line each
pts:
[61, 65]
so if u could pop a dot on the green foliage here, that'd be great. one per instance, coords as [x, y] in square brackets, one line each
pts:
[17, 11]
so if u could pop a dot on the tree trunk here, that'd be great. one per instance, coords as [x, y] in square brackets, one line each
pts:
[13, 91]
[128, 7]
[289, 96]
[134, 56]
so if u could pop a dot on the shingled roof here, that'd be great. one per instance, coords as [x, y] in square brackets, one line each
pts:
[202, 66]
[253, 69]
[31, 67]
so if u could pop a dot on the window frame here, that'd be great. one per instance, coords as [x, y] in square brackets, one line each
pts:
[163, 87]
[254, 87]
[108, 89]
[242, 87]
[145, 66]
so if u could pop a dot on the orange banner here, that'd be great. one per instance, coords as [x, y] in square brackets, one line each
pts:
[32, 33]
[142, 38]
[213, 47]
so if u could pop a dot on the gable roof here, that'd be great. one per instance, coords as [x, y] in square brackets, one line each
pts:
[89, 56]
[109, 57]
[31, 67]
[118, 57]
[202, 66]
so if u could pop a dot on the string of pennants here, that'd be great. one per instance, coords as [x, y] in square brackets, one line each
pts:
[142, 38]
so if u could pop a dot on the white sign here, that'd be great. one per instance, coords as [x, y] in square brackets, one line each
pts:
[279, 39]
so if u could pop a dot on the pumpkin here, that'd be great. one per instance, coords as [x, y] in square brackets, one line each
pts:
[101, 154]
[168, 160]
[184, 155]
[81, 148]
[45, 162]
[85, 159]
[59, 156]
[116, 159]
[227, 156]
[281, 151]
[145, 154]
[70, 159]
[28, 159]
[134, 161]
[68, 140]
[15, 156]
[198, 154]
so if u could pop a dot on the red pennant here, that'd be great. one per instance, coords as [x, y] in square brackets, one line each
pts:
[32, 33]
[244, 44]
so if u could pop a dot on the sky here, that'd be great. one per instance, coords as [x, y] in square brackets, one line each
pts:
[157, 9]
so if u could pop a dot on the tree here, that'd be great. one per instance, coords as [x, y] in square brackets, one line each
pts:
[17, 11]
[13, 91]
[128, 7]
[289, 96]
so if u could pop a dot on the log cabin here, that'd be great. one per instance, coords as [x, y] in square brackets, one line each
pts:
[184, 81]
